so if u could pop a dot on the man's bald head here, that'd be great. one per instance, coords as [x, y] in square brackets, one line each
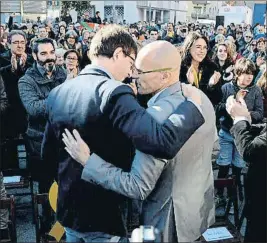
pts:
[154, 57]
[159, 55]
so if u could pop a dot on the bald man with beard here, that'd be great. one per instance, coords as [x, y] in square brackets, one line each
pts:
[177, 194]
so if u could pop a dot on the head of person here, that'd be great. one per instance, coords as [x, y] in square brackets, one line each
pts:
[114, 48]
[44, 54]
[219, 39]
[71, 37]
[170, 27]
[48, 28]
[133, 28]
[152, 23]
[261, 44]
[231, 47]
[85, 35]
[135, 36]
[97, 14]
[232, 26]
[62, 29]
[3, 38]
[72, 59]
[153, 34]
[239, 34]
[24, 28]
[157, 67]
[35, 29]
[42, 32]
[261, 29]
[220, 30]
[195, 49]
[248, 36]
[60, 56]
[230, 38]
[17, 42]
[244, 70]
[71, 26]
[223, 53]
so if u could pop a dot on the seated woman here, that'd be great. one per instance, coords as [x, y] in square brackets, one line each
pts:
[197, 68]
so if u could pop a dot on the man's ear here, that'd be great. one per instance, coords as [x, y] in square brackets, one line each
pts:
[165, 76]
[117, 52]
[34, 56]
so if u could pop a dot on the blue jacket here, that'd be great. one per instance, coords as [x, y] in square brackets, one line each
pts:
[110, 120]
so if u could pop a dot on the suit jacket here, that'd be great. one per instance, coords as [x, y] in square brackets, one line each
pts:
[178, 194]
[109, 118]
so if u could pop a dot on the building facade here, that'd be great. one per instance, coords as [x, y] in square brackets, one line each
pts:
[203, 10]
[134, 11]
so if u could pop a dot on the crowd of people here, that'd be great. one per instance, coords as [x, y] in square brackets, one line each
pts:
[52, 72]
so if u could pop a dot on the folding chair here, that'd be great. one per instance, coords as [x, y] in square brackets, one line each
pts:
[14, 168]
[41, 234]
[9, 204]
[223, 220]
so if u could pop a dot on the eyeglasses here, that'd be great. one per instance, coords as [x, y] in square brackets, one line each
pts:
[71, 58]
[133, 66]
[248, 36]
[152, 71]
[19, 43]
[71, 37]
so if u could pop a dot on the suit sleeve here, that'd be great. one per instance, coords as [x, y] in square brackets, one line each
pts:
[150, 137]
[257, 113]
[136, 184]
[248, 145]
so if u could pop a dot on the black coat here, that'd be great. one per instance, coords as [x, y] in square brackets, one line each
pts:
[110, 120]
[251, 142]
[3, 105]
[15, 119]
[213, 93]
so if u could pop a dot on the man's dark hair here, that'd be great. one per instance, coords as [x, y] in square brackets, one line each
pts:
[34, 25]
[108, 39]
[24, 27]
[97, 12]
[153, 29]
[15, 32]
[40, 41]
[133, 26]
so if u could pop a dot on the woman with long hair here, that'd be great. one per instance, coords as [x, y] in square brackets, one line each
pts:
[71, 41]
[224, 61]
[196, 67]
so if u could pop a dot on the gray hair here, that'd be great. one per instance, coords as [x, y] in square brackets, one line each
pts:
[15, 32]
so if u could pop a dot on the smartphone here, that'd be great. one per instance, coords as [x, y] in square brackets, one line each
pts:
[241, 94]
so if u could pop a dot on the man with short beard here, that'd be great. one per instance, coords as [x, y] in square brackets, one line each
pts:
[34, 88]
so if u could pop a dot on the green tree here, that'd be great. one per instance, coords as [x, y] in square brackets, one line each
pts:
[79, 6]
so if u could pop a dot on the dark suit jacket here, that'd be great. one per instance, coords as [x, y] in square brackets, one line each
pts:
[110, 120]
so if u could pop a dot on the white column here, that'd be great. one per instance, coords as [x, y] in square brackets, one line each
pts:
[154, 15]
[145, 15]
[162, 16]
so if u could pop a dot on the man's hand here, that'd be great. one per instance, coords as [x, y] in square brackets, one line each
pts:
[192, 93]
[237, 109]
[23, 59]
[133, 86]
[14, 62]
[190, 75]
[76, 147]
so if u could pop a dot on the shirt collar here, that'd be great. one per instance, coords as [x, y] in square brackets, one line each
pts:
[92, 66]
[153, 99]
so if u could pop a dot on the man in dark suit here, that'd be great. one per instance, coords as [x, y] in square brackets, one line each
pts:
[110, 120]
[251, 142]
